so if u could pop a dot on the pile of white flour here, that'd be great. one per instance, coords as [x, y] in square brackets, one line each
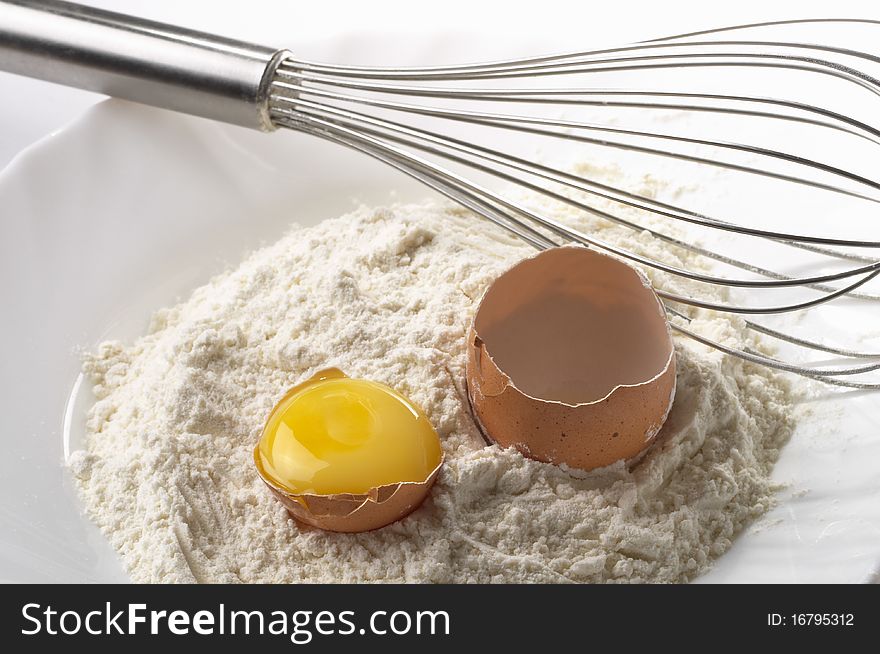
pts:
[387, 294]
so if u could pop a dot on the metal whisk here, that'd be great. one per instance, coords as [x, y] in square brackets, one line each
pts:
[428, 122]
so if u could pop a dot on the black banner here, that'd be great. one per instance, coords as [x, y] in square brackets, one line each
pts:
[431, 618]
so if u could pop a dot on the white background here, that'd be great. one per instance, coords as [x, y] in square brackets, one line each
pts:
[30, 109]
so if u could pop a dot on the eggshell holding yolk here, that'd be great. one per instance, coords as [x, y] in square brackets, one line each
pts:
[355, 513]
[583, 435]
[347, 512]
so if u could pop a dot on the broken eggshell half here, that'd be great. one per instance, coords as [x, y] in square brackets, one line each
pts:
[571, 360]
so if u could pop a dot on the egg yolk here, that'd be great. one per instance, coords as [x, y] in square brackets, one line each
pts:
[333, 434]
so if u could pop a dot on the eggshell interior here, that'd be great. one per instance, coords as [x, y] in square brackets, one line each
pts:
[570, 359]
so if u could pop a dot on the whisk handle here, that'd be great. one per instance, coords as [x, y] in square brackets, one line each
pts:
[140, 60]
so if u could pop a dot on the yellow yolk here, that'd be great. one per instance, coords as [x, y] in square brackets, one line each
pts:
[332, 434]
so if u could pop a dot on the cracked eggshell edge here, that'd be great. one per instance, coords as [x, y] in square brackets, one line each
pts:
[350, 513]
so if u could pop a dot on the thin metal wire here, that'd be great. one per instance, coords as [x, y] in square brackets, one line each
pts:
[619, 193]
[581, 98]
[556, 63]
[770, 23]
[525, 123]
[340, 104]
[519, 123]
[871, 271]
[366, 124]
[538, 67]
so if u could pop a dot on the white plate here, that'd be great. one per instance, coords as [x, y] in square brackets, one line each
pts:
[130, 208]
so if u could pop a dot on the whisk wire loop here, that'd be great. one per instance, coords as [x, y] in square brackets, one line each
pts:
[385, 113]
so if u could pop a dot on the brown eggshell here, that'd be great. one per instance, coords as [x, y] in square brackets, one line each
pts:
[354, 513]
[570, 359]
